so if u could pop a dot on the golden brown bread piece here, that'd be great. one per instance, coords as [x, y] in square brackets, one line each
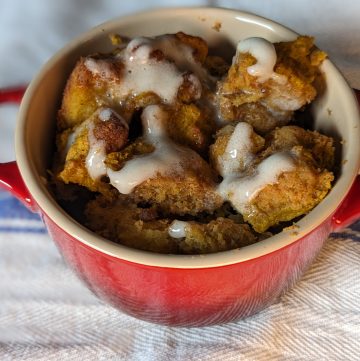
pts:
[112, 132]
[86, 91]
[178, 180]
[74, 170]
[199, 45]
[95, 80]
[320, 146]
[218, 148]
[116, 160]
[123, 222]
[191, 192]
[189, 188]
[295, 193]
[192, 126]
[299, 60]
[220, 234]
[268, 104]
[260, 118]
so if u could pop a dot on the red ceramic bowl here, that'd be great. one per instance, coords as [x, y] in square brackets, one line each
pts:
[178, 289]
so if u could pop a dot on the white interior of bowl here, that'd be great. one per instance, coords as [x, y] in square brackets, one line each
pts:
[336, 113]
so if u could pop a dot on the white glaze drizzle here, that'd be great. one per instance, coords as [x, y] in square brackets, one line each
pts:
[70, 141]
[177, 229]
[181, 54]
[105, 114]
[265, 54]
[240, 189]
[95, 159]
[143, 73]
[280, 101]
[160, 78]
[167, 157]
[99, 67]
[73, 135]
[238, 152]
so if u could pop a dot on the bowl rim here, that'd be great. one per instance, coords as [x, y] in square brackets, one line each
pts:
[319, 215]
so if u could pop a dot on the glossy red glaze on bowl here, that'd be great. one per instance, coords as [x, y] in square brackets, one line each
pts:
[190, 297]
[170, 289]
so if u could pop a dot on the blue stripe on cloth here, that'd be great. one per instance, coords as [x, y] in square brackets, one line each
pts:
[352, 236]
[22, 230]
[10, 207]
[355, 226]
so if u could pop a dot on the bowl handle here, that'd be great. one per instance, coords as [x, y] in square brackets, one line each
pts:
[12, 95]
[10, 178]
[349, 210]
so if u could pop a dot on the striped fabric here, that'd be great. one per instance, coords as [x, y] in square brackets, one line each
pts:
[14, 218]
[47, 314]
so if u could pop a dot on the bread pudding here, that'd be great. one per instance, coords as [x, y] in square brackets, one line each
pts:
[170, 149]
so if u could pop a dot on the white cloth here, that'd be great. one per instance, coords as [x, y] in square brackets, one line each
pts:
[45, 311]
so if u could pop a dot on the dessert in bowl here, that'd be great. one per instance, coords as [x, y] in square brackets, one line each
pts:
[188, 289]
[181, 152]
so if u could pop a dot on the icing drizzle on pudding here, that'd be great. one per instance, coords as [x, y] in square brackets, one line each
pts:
[158, 65]
[100, 67]
[237, 187]
[95, 159]
[240, 189]
[265, 54]
[177, 229]
[172, 48]
[238, 154]
[241, 183]
[167, 158]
